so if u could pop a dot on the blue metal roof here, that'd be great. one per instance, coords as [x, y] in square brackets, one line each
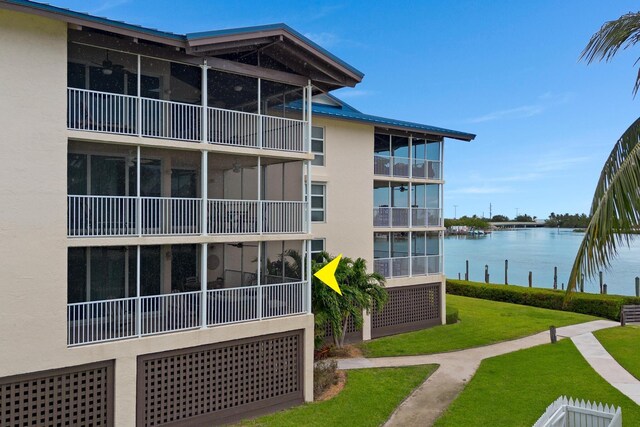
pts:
[270, 27]
[346, 112]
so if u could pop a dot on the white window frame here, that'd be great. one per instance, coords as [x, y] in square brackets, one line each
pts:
[316, 253]
[323, 209]
[318, 154]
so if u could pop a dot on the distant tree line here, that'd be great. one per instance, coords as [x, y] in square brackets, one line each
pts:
[473, 221]
[567, 220]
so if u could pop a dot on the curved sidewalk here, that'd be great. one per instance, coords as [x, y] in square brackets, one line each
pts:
[607, 367]
[433, 396]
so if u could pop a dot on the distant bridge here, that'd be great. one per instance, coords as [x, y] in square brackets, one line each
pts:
[521, 224]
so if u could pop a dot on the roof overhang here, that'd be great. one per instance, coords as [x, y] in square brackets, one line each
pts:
[278, 41]
[281, 43]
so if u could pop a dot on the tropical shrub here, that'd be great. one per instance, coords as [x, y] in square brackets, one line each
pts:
[360, 291]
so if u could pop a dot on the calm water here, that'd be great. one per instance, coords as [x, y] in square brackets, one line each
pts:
[537, 250]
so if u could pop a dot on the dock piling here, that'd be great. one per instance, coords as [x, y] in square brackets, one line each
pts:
[638, 286]
[506, 271]
[555, 277]
[466, 271]
[530, 279]
[486, 273]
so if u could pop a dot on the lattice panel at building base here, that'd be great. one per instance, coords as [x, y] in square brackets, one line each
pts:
[219, 383]
[75, 396]
[409, 308]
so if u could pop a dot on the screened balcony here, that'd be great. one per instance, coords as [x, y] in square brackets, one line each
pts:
[407, 157]
[406, 205]
[124, 292]
[110, 196]
[115, 92]
[407, 254]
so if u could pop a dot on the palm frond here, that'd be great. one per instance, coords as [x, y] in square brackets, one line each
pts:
[614, 35]
[615, 210]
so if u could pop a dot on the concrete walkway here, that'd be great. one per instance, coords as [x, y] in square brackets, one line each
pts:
[605, 365]
[433, 396]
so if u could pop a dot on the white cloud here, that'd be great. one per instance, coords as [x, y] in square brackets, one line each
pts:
[511, 113]
[556, 163]
[324, 39]
[479, 190]
[546, 100]
[108, 4]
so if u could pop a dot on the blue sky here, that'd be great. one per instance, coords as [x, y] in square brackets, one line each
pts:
[505, 70]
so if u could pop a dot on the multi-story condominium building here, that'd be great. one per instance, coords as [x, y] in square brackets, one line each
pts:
[377, 194]
[155, 229]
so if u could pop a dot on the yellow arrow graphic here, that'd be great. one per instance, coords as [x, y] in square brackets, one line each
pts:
[327, 274]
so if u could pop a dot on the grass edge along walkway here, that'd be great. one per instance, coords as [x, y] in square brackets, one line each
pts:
[623, 344]
[368, 399]
[514, 389]
[482, 322]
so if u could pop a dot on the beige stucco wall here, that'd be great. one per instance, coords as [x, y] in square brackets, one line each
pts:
[33, 173]
[348, 175]
[33, 219]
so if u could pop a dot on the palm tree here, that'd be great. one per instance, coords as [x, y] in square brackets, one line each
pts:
[360, 291]
[615, 209]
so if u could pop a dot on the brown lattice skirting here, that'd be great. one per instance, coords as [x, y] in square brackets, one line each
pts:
[220, 383]
[409, 308]
[74, 396]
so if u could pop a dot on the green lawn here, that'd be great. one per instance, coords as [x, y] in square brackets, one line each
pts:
[481, 322]
[515, 389]
[623, 343]
[368, 399]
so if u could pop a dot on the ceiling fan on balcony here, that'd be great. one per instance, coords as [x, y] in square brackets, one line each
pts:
[242, 245]
[108, 67]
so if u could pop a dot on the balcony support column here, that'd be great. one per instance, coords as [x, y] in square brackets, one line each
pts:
[308, 274]
[260, 296]
[205, 99]
[138, 199]
[139, 99]
[203, 285]
[260, 204]
[204, 189]
[138, 301]
[260, 113]
[410, 255]
[410, 160]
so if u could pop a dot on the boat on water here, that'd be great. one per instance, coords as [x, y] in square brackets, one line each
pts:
[477, 232]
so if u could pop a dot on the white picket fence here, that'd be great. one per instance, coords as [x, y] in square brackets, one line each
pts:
[573, 413]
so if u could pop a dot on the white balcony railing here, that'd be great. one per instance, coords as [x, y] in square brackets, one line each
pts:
[283, 299]
[283, 134]
[404, 167]
[233, 127]
[232, 305]
[408, 266]
[95, 111]
[112, 216]
[399, 217]
[426, 169]
[232, 216]
[103, 216]
[170, 312]
[426, 217]
[171, 120]
[100, 321]
[102, 112]
[162, 216]
[283, 217]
